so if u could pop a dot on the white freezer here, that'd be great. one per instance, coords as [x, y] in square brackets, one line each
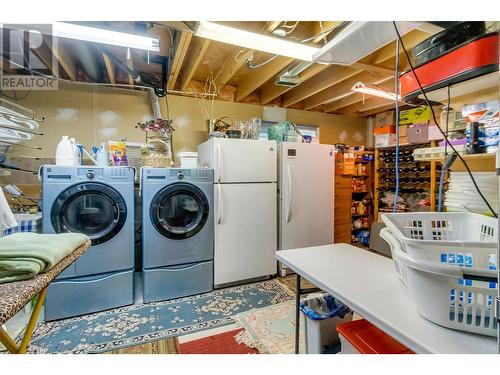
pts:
[245, 232]
[306, 183]
[239, 160]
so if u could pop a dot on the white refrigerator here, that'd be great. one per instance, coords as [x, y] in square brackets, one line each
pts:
[306, 183]
[245, 178]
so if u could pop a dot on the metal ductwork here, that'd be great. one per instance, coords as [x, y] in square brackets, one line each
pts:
[290, 77]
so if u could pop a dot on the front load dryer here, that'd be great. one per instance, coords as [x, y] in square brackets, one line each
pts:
[178, 232]
[98, 202]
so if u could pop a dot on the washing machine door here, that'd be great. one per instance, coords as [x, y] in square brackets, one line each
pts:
[94, 209]
[179, 211]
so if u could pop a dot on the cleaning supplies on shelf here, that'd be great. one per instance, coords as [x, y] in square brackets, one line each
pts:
[76, 151]
[65, 152]
[118, 153]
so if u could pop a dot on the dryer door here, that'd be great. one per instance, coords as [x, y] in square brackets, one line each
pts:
[179, 211]
[91, 208]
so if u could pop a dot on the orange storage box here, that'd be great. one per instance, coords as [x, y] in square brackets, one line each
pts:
[386, 129]
[360, 336]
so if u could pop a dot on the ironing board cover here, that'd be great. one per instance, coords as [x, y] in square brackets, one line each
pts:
[15, 295]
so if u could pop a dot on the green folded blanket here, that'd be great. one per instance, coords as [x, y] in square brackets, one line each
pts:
[24, 255]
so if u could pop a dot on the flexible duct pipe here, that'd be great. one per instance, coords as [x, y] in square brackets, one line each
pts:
[155, 105]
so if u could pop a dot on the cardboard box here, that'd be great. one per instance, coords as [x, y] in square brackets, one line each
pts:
[384, 119]
[386, 129]
[402, 131]
[434, 133]
[385, 140]
[418, 133]
[455, 120]
[486, 113]
[415, 115]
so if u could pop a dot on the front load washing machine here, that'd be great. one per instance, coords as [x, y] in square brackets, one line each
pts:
[178, 232]
[98, 202]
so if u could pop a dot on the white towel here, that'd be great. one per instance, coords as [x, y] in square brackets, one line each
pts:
[7, 219]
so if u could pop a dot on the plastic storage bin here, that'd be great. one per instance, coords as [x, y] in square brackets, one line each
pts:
[26, 223]
[433, 153]
[188, 160]
[362, 337]
[322, 315]
[448, 262]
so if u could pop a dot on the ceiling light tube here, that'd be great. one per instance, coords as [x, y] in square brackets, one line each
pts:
[359, 39]
[374, 90]
[259, 42]
[98, 35]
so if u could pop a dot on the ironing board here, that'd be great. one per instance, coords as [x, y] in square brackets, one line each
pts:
[15, 295]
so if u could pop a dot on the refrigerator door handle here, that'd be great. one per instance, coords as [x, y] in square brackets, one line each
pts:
[219, 204]
[219, 161]
[289, 200]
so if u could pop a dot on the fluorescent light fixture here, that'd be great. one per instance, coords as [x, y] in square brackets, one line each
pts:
[98, 35]
[242, 38]
[374, 90]
[359, 39]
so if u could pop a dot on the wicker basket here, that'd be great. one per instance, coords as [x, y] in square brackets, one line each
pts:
[156, 153]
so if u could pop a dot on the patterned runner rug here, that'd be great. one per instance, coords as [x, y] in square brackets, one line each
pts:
[271, 329]
[164, 346]
[138, 324]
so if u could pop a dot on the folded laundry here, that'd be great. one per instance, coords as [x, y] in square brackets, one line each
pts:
[24, 255]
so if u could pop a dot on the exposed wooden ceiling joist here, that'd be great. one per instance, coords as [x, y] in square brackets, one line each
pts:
[109, 68]
[195, 55]
[180, 53]
[379, 57]
[271, 90]
[372, 68]
[64, 60]
[369, 104]
[271, 25]
[410, 40]
[354, 98]
[322, 27]
[335, 92]
[231, 65]
[237, 59]
[177, 25]
[257, 78]
[45, 56]
[130, 64]
[330, 76]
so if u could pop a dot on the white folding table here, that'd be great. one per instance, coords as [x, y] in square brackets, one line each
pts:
[369, 284]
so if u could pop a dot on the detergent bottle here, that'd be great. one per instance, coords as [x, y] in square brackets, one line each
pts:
[65, 152]
[76, 151]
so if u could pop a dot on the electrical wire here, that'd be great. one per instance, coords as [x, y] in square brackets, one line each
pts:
[321, 34]
[443, 170]
[436, 123]
[251, 66]
[396, 90]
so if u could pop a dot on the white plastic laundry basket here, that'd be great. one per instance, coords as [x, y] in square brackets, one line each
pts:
[448, 262]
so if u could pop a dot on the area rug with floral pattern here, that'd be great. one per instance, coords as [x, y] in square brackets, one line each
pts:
[141, 323]
[271, 329]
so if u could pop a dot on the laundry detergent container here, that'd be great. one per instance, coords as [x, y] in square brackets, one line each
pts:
[322, 314]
